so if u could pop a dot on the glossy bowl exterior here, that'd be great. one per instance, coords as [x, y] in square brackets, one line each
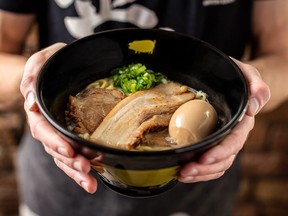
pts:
[181, 58]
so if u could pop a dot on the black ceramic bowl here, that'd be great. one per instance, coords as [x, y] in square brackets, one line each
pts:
[181, 58]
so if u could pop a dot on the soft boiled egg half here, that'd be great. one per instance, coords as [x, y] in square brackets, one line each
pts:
[192, 121]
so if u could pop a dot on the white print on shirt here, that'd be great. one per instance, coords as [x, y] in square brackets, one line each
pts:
[88, 17]
[217, 2]
[64, 3]
[118, 3]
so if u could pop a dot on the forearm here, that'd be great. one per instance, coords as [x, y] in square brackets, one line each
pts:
[11, 69]
[274, 71]
[14, 29]
[270, 47]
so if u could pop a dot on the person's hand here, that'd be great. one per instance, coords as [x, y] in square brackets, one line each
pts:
[213, 163]
[74, 165]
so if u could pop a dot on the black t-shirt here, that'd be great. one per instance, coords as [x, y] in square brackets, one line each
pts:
[223, 23]
[44, 188]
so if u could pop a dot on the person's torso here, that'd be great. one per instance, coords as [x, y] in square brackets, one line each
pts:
[223, 23]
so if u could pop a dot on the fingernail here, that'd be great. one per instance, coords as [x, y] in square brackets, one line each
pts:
[77, 165]
[62, 151]
[31, 101]
[253, 106]
[84, 185]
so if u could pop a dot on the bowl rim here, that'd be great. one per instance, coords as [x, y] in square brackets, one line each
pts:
[208, 141]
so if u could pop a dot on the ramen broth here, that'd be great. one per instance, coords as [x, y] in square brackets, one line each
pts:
[106, 114]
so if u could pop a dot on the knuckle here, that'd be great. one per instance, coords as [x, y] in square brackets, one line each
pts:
[218, 175]
[32, 67]
[47, 149]
[237, 144]
[35, 129]
[37, 59]
[265, 92]
[25, 83]
[229, 162]
[253, 69]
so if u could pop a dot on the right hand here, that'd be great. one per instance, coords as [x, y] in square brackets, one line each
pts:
[74, 165]
[217, 160]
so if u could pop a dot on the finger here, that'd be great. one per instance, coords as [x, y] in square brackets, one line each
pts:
[45, 133]
[31, 70]
[232, 143]
[196, 169]
[194, 179]
[78, 162]
[259, 91]
[86, 181]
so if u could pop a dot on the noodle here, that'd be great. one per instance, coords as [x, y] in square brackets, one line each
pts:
[102, 83]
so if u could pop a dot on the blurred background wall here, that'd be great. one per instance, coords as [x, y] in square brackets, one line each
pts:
[11, 129]
[264, 187]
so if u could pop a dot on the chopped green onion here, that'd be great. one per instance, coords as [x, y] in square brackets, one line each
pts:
[136, 77]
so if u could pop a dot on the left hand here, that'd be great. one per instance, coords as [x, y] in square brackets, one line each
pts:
[216, 161]
[75, 165]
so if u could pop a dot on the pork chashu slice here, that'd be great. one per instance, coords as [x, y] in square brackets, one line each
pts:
[87, 109]
[140, 112]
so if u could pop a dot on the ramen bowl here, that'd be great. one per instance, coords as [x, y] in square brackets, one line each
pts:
[181, 58]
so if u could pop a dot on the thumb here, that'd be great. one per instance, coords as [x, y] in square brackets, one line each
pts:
[31, 71]
[259, 90]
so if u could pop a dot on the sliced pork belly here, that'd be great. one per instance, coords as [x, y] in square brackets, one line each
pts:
[158, 140]
[140, 112]
[87, 109]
